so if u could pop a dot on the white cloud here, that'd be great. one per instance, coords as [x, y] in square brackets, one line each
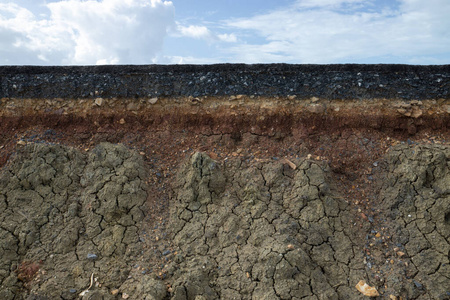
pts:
[330, 31]
[307, 31]
[325, 3]
[203, 33]
[29, 40]
[195, 31]
[230, 38]
[86, 32]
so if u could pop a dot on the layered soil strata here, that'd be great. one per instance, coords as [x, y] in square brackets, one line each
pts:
[117, 182]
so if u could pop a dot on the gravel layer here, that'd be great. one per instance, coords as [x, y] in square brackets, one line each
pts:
[304, 81]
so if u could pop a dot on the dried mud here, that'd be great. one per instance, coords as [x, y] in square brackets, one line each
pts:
[238, 228]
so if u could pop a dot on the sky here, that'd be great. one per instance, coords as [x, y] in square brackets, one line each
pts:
[97, 32]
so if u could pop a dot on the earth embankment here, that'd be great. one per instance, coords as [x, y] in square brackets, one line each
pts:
[224, 181]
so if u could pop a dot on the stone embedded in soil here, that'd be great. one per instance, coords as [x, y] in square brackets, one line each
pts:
[153, 100]
[91, 256]
[366, 289]
[98, 101]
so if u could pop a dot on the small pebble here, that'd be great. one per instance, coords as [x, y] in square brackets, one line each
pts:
[98, 101]
[115, 292]
[72, 291]
[418, 284]
[91, 256]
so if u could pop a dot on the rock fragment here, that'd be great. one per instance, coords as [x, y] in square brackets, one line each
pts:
[92, 256]
[98, 101]
[114, 292]
[153, 100]
[366, 289]
[400, 253]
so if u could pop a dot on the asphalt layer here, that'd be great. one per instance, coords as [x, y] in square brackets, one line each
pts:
[305, 81]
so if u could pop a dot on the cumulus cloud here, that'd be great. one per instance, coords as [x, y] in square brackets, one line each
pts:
[330, 31]
[305, 31]
[21, 36]
[85, 32]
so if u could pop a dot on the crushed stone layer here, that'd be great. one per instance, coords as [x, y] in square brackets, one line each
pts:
[347, 81]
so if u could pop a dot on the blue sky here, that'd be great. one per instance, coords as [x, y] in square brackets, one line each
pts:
[88, 32]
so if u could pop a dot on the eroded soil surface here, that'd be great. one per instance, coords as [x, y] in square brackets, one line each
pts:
[203, 202]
